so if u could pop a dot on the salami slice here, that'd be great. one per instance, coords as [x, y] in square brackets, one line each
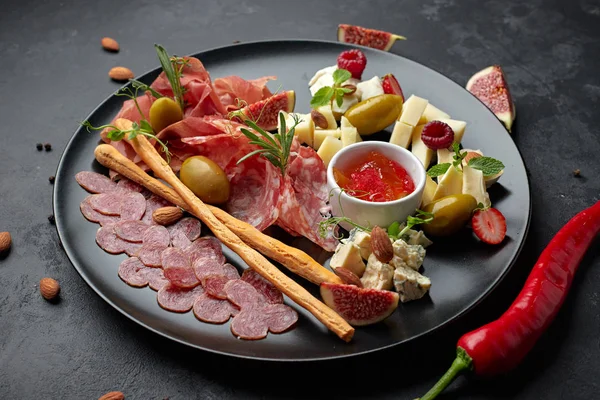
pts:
[150, 254]
[207, 247]
[177, 267]
[156, 278]
[109, 241]
[107, 203]
[157, 234]
[127, 185]
[132, 231]
[176, 299]
[132, 272]
[215, 285]
[131, 248]
[249, 324]
[94, 182]
[279, 317]
[242, 294]
[189, 226]
[153, 203]
[263, 286]
[212, 310]
[133, 206]
[204, 267]
[94, 216]
[179, 239]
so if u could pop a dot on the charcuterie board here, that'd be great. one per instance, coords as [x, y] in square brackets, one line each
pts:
[463, 271]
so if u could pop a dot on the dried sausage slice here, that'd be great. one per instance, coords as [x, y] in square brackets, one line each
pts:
[131, 271]
[133, 206]
[215, 284]
[204, 267]
[242, 294]
[177, 267]
[186, 228]
[132, 231]
[156, 278]
[108, 240]
[150, 254]
[207, 247]
[94, 182]
[127, 185]
[279, 317]
[215, 311]
[107, 203]
[158, 235]
[179, 239]
[176, 299]
[263, 286]
[94, 216]
[249, 325]
[153, 203]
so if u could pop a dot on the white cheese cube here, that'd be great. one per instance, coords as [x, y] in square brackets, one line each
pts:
[363, 240]
[419, 149]
[377, 275]
[324, 71]
[347, 255]
[450, 183]
[305, 130]
[370, 88]
[444, 156]
[432, 113]
[320, 135]
[329, 148]
[401, 135]
[474, 184]
[429, 191]
[410, 284]
[457, 126]
[348, 101]
[345, 123]
[328, 114]
[324, 80]
[412, 110]
[350, 136]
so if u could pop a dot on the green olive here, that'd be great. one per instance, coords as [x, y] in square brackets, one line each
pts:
[206, 179]
[375, 113]
[450, 214]
[164, 112]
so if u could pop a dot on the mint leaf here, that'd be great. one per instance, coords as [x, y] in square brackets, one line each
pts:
[145, 125]
[393, 230]
[322, 97]
[346, 90]
[339, 97]
[488, 165]
[438, 169]
[115, 135]
[340, 76]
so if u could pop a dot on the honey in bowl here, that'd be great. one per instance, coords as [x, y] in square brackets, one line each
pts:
[374, 177]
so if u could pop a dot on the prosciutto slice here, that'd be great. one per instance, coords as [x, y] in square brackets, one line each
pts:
[234, 91]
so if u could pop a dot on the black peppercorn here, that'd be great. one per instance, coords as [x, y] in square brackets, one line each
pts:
[48, 146]
[52, 179]
[39, 146]
[51, 219]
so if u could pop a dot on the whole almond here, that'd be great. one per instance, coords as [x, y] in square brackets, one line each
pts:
[319, 119]
[381, 245]
[347, 276]
[120, 73]
[167, 215]
[350, 87]
[5, 241]
[49, 288]
[113, 396]
[110, 44]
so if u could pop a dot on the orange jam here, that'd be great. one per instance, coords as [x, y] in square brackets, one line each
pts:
[374, 177]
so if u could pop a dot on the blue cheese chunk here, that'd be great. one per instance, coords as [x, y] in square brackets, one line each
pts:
[410, 284]
[411, 256]
[363, 240]
[377, 275]
[347, 255]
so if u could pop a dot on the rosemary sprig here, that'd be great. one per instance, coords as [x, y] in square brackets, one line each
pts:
[173, 67]
[274, 147]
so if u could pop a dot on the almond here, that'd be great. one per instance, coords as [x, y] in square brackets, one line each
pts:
[350, 87]
[319, 119]
[49, 288]
[5, 241]
[113, 396]
[347, 276]
[381, 245]
[167, 215]
[110, 44]
[120, 74]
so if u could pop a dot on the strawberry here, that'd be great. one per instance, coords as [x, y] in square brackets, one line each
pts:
[353, 61]
[489, 225]
[391, 86]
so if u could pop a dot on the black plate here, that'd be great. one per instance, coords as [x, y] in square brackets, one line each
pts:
[462, 270]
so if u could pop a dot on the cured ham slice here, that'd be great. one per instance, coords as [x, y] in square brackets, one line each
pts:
[236, 92]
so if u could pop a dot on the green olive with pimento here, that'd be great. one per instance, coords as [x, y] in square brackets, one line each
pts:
[206, 179]
[450, 214]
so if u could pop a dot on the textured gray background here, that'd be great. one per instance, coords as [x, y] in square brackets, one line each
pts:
[53, 73]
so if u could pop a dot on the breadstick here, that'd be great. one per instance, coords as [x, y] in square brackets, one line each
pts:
[253, 258]
[292, 258]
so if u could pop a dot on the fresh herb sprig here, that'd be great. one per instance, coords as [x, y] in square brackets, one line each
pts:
[488, 165]
[328, 224]
[173, 67]
[274, 147]
[327, 94]
[145, 88]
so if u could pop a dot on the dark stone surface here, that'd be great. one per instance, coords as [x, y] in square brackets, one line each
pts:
[53, 73]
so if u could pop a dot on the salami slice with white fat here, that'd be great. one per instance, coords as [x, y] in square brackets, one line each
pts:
[249, 325]
[107, 203]
[94, 216]
[209, 309]
[176, 299]
[158, 235]
[177, 268]
[242, 294]
[263, 286]
[187, 227]
[156, 278]
[132, 231]
[131, 271]
[279, 317]
[150, 254]
[204, 267]
[153, 203]
[108, 240]
[215, 284]
[132, 248]
[127, 185]
[94, 182]
[133, 206]
[207, 247]
[179, 239]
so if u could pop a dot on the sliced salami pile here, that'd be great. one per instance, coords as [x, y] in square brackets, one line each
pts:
[189, 272]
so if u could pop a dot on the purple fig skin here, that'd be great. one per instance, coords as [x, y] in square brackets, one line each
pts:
[490, 87]
[265, 113]
[359, 306]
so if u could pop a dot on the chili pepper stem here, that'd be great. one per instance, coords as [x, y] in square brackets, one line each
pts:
[462, 362]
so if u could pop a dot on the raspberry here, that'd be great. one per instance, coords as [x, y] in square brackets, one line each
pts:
[354, 61]
[437, 135]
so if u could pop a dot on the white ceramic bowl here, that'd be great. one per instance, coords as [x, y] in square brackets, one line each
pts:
[368, 213]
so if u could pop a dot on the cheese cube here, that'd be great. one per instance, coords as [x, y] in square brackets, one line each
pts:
[457, 126]
[320, 135]
[348, 256]
[401, 135]
[410, 284]
[429, 191]
[377, 275]
[412, 110]
[350, 136]
[329, 148]
[363, 240]
[450, 183]
[474, 184]
[347, 102]
[328, 114]
[432, 113]
[345, 123]
[419, 149]
[324, 71]
[444, 156]
[305, 130]
[370, 88]
[322, 81]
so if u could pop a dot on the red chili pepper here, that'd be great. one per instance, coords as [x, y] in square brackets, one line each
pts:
[500, 346]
